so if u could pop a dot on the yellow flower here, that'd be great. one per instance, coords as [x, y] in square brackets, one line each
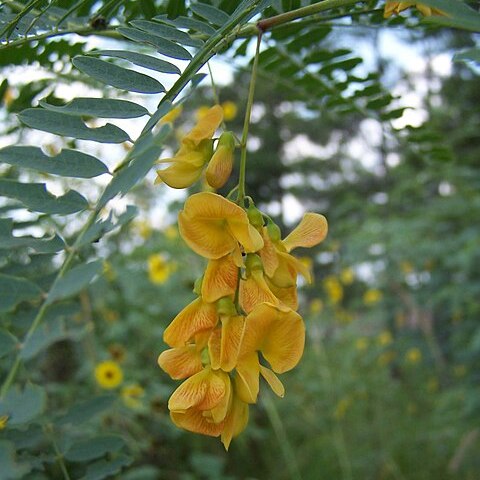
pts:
[413, 356]
[229, 110]
[131, 396]
[213, 226]
[171, 232]
[221, 164]
[159, 269]
[372, 296]
[108, 271]
[343, 316]
[110, 316]
[316, 306]
[341, 408]
[384, 338]
[347, 276]
[333, 288]
[144, 228]
[196, 150]
[3, 421]
[397, 7]
[172, 115]
[406, 267]
[361, 344]
[108, 374]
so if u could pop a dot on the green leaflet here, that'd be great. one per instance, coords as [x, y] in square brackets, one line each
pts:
[165, 31]
[95, 447]
[99, 107]
[116, 76]
[22, 406]
[212, 14]
[74, 281]
[70, 126]
[68, 163]
[36, 197]
[140, 59]
[165, 47]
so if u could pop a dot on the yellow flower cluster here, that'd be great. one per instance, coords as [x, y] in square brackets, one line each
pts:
[243, 325]
[159, 268]
[246, 306]
[394, 8]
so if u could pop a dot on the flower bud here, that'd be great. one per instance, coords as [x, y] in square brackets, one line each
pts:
[197, 286]
[255, 216]
[253, 263]
[220, 166]
[274, 231]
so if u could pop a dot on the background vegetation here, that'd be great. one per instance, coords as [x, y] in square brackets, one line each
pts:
[388, 385]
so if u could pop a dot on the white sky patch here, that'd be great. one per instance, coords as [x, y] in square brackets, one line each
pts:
[442, 64]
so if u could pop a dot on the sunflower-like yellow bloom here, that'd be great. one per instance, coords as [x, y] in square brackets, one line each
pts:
[196, 150]
[394, 8]
[214, 227]
[108, 374]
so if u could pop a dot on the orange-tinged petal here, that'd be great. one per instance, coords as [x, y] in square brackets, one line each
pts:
[181, 362]
[296, 265]
[179, 175]
[287, 296]
[220, 279]
[193, 421]
[220, 166]
[214, 348]
[206, 126]
[196, 317]
[203, 224]
[247, 379]
[232, 335]
[236, 421]
[278, 334]
[268, 254]
[204, 391]
[275, 384]
[246, 235]
[309, 232]
[219, 412]
[286, 273]
[253, 291]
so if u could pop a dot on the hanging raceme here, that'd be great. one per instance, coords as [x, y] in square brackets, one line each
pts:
[243, 325]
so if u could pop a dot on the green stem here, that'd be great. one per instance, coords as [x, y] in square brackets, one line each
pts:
[48, 429]
[246, 124]
[41, 313]
[286, 17]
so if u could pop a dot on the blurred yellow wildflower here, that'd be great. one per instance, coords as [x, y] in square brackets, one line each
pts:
[316, 306]
[201, 112]
[347, 276]
[385, 358]
[108, 271]
[400, 320]
[229, 110]
[333, 288]
[8, 97]
[361, 344]
[372, 296]
[171, 232]
[413, 356]
[343, 316]
[392, 8]
[110, 315]
[108, 374]
[3, 421]
[117, 352]
[341, 408]
[172, 115]
[144, 228]
[459, 371]
[159, 268]
[384, 338]
[433, 385]
[132, 395]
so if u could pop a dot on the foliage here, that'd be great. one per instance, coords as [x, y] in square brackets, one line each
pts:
[387, 387]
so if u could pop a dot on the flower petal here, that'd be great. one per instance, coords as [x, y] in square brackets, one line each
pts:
[247, 379]
[247, 235]
[214, 348]
[193, 421]
[275, 384]
[236, 421]
[206, 126]
[179, 175]
[268, 254]
[219, 412]
[309, 232]
[232, 335]
[253, 291]
[181, 362]
[278, 334]
[287, 296]
[196, 317]
[220, 279]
